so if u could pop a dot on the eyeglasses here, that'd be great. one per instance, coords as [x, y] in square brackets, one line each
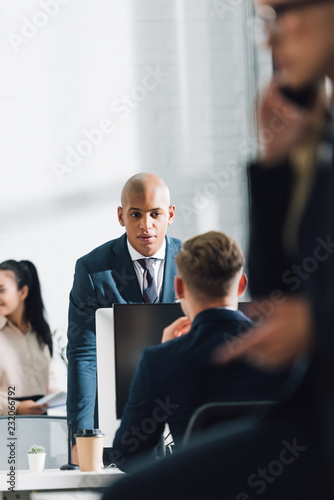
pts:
[267, 16]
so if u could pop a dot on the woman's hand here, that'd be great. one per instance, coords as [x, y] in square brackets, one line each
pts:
[29, 407]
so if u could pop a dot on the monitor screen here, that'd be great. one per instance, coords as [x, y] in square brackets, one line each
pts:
[137, 326]
[122, 333]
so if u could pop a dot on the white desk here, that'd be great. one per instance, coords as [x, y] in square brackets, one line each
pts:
[54, 479]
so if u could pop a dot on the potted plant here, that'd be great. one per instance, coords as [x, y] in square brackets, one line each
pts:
[36, 457]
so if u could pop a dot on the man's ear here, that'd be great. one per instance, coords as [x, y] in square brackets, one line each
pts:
[243, 282]
[179, 287]
[171, 214]
[120, 216]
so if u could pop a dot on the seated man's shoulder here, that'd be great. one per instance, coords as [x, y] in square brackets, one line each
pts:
[164, 353]
[239, 325]
[244, 320]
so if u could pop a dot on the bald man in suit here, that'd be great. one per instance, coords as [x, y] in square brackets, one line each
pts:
[114, 273]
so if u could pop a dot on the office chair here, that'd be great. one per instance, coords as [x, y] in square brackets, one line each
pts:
[213, 414]
[50, 432]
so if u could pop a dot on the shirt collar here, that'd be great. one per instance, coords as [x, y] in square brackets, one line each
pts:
[6, 322]
[3, 322]
[160, 254]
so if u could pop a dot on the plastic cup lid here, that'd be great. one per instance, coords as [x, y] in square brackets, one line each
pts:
[89, 433]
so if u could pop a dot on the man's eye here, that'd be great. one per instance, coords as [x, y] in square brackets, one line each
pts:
[156, 214]
[135, 215]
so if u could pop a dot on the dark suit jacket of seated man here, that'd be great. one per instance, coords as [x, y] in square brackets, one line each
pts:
[107, 275]
[174, 378]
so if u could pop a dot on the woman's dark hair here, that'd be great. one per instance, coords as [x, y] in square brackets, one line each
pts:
[26, 275]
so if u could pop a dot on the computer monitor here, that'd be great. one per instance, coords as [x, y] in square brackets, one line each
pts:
[122, 333]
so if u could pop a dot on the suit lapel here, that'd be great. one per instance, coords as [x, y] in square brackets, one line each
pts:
[168, 294]
[123, 272]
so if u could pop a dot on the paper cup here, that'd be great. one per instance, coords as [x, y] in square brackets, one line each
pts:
[90, 449]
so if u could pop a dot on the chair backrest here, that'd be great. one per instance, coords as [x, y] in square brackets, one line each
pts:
[50, 432]
[213, 414]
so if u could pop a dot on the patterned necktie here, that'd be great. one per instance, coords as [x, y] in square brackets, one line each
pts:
[150, 292]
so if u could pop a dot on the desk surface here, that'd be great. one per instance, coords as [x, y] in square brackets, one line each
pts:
[55, 479]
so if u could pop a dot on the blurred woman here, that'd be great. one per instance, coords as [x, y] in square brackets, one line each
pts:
[25, 340]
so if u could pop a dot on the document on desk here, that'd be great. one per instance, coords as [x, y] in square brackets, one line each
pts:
[53, 400]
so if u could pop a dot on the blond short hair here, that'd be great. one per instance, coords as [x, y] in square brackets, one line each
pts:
[208, 263]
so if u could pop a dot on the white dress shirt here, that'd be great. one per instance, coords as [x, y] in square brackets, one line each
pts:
[158, 266]
[24, 364]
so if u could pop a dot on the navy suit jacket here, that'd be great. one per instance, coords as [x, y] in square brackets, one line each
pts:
[102, 278]
[175, 378]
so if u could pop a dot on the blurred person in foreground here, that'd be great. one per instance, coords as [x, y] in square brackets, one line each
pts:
[176, 377]
[26, 373]
[290, 453]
